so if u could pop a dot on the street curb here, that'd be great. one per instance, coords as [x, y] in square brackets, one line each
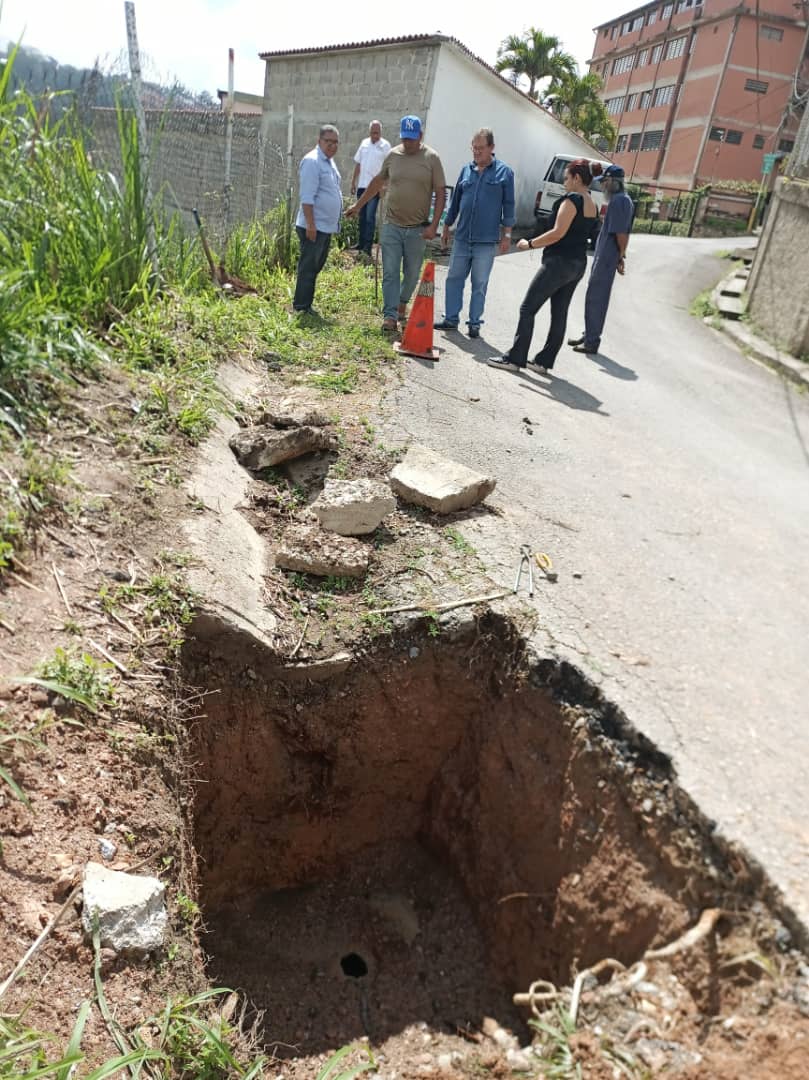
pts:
[752, 344]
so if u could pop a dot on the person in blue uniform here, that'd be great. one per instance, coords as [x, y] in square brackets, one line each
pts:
[609, 259]
[564, 262]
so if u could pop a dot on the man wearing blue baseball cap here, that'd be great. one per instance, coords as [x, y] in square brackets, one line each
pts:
[609, 259]
[413, 174]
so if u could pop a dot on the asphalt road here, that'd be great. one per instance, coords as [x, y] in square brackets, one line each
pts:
[670, 474]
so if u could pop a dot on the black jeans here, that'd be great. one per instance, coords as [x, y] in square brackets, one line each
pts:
[311, 261]
[556, 280]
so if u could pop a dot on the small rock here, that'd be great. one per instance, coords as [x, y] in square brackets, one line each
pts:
[107, 849]
[519, 1060]
[130, 909]
[38, 697]
[647, 806]
[413, 652]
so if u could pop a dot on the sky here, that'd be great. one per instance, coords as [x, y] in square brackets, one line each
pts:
[189, 39]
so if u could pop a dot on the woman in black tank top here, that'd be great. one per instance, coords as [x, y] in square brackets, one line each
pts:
[564, 261]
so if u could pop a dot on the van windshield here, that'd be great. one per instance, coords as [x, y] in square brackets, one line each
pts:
[556, 173]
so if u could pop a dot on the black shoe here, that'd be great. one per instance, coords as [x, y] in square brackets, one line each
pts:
[576, 340]
[504, 364]
[538, 364]
[444, 325]
[585, 348]
[474, 331]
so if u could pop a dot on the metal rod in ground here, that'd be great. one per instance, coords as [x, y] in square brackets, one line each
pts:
[226, 191]
[143, 134]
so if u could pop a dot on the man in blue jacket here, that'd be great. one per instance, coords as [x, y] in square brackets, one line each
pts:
[483, 204]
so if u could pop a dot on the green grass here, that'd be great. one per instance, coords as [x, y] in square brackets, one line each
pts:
[77, 676]
[702, 306]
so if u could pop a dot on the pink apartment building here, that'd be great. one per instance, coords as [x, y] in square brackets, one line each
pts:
[699, 90]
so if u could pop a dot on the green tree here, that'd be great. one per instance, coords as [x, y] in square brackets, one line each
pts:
[576, 101]
[536, 56]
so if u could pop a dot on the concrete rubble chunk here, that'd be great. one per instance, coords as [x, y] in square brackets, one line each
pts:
[301, 416]
[131, 909]
[353, 507]
[310, 550]
[261, 446]
[443, 486]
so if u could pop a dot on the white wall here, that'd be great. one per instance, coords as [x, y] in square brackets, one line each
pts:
[466, 96]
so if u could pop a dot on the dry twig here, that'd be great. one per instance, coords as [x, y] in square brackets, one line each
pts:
[61, 589]
[439, 608]
[108, 656]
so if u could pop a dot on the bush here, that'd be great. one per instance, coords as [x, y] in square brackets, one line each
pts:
[661, 228]
[679, 228]
[642, 225]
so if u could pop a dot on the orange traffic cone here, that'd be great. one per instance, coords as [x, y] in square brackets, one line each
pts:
[418, 335]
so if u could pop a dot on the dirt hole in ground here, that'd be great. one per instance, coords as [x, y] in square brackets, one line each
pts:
[412, 835]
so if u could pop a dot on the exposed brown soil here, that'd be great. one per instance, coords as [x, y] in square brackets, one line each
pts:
[433, 811]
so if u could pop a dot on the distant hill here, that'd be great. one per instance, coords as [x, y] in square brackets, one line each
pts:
[88, 87]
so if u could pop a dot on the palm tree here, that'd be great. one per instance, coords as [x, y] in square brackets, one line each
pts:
[576, 101]
[535, 55]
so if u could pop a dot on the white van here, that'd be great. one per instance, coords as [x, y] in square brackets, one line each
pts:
[552, 188]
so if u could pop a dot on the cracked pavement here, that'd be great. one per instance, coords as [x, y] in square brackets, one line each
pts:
[668, 480]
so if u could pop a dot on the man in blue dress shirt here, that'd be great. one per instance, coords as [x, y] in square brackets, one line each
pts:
[319, 214]
[483, 204]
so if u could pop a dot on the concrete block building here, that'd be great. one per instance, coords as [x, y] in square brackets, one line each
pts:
[434, 76]
[700, 90]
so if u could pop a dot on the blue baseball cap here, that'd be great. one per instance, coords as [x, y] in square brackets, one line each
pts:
[410, 128]
[614, 172]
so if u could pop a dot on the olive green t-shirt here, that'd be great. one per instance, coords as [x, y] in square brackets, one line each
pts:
[411, 180]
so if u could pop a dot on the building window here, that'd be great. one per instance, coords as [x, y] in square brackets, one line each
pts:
[651, 18]
[664, 95]
[614, 105]
[684, 5]
[667, 10]
[733, 137]
[620, 144]
[657, 52]
[758, 142]
[623, 63]
[756, 86]
[652, 140]
[643, 58]
[717, 134]
[773, 33]
[675, 48]
[632, 102]
[614, 31]
[634, 141]
[646, 99]
[786, 146]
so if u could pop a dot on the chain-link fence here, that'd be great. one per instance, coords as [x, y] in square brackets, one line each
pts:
[187, 155]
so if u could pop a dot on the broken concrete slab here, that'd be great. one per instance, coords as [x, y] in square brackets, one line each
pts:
[261, 446]
[308, 549]
[353, 507]
[230, 559]
[130, 909]
[292, 416]
[425, 478]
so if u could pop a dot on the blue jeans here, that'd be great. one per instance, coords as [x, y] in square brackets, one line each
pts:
[556, 280]
[402, 255]
[367, 222]
[466, 259]
[311, 261]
